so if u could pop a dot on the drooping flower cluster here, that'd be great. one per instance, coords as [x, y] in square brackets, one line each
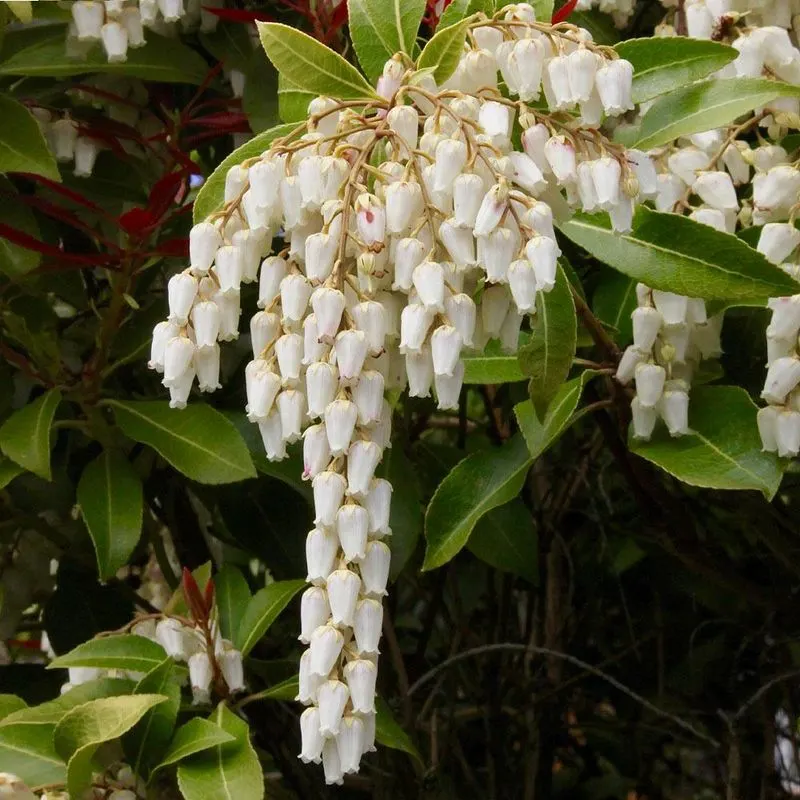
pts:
[66, 142]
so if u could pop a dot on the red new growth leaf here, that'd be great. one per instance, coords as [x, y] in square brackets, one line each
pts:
[209, 596]
[175, 248]
[164, 193]
[62, 190]
[137, 221]
[564, 11]
[193, 597]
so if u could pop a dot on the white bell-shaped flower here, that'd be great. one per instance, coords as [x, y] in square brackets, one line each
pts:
[206, 364]
[262, 386]
[332, 697]
[181, 292]
[328, 305]
[526, 173]
[557, 80]
[367, 394]
[673, 307]
[351, 351]
[419, 369]
[326, 647]
[322, 383]
[230, 310]
[311, 739]
[494, 307]
[289, 352]
[320, 253]
[543, 253]
[459, 242]
[273, 271]
[230, 663]
[778, 240]
[647, 323]
[650, 380]
[265, 328]
[408, 254]
[331, 764]
[404, 121]
[783, 375]
[370, 219]
[205, 321]
[716, 189]
[509, 333]
[295, 292]
[492, 209]
[64, 137]
[606, 176]
[200, 677]
[375, 568]
[321, 545]
[631, 358]
[534, 139]
[372, 319]
[313, 349]
[495, 252]
[560, 155]
[265, 181]
[446, 346]
[415, 321]
[352, 527]
[272, 436]
[178, 355]
[361, 676]
[643, 419]
[785, 321]
[180, 389]
[522, 283]
[767, 420]
[316, 451]
[174, 638]
[340, 421]
[86, 152]
[88, 17]
[367, 626]
[343, 587]
[582, 65]
[291, 405]
[235, 182]
[428, 279]
[587, 192]
[403, 205]
[350, 743]
[115, 42]
[614, 81]
[468, 193]
[448, 388]
[204, 241]
[673, 407]
[162, 333]
[778, 188]
[450, 158]
[461, 311]
[228, 266]
[362, 460]
[251, 246]
[171, 10]
[787, 433]
[314, 612]
[308, 681]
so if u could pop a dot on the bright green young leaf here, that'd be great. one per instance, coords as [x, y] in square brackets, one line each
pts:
[613, 303]
[212, 193]
[285, 690]
[232, 595]
[310, 65]
[22, 144]
[128, 652]
[492, 366]
[194, 737]
[677, 254]
[9, 703]
[461, 9]
[110, 497]
[389, 733]
[478, 484]
[8, 471]
[543, 9]
[28, 752]
[506, 539]
[25, 435]
[547, 357]
[663, 64]
[724, 449]
[703, 106]
[443, 51]
[406, 518]
[21, 9]
[263, 610]
[16, 260]
[86, 727]
[292, 101]
[198, 441]
[229, 771]
[381, 28]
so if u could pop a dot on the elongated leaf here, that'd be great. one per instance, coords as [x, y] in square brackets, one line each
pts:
[16, 260]
[126, 652]
[22, 144]
[9, 703]
[706, 105]
[661, 65]
[159, 60]
[28, 752]
[212, 194]
[492, 366]
[110, 498]
[547, 357]
[460, 9]
[232, 595]
[381, 28]
[25, 435]
[724, 449]
[677, 254]
[229, 771]
[310, 65]
[285, 690]
[613, 303]
[292, 100]
[8, 471]
[263, 610]
[478, 484]
[194, 737]
[389, 733]
[443, 51]
[506, 539]
[198, 441]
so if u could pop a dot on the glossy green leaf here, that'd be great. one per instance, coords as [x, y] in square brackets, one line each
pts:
[677, 254]
[28, 752]
[8, 471]
[25, 435]
[663, 64]
[262, 610]
[229, 771]
[724, 449]
[406, 518]
[198, 441]
[547, 357]
[381, 28]
[22, 145]
[232, 595]
[389, 733]
[613, 303]
[460, 9]
[310, 65]
[443, 51]
[194, 737]
[506, 539]
[110, 497]
[481, 482]
[127, 652]
[292, 101]
[600, 25]
[285, 690]
[16, 260]
[9, 703]
[212, 194]
[493, 365]
[706, 105]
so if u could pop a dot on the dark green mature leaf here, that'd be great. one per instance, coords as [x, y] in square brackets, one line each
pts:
[232, 595]
[389, 733]
[25, 435]
[724, 449]
[286, 690]
[198, 441]
[22, 144]
[506, 539]
[547, 357]
[126, 652]
[406, 519]
[310, 65]
[493, 366]
[478, 484]
[110, 497]
[8, 471]
[16, 260]
[230, 43]
[443, 51]
[600, 25]
[262, 610]
[194, 737]
[613, 303]
[292, 101]
[677, 254]
[212, 194]
[706, 105]
[381, 28]
[159, 60]
[661, 65]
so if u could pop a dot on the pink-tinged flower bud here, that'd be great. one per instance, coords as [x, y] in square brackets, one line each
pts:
[371, 319]
[115, 42]
[643, 420]
[331, 765]
[557, 76]
[613, 83]
[204, 241]
[785, 322]
[522, 283]
[461, 311]
[673, 408]
[494, 307]
[367, 394]
[403, 206]
[322, 383]
[646, 325]
[314, 612]
[228, 266]
[650, 380]
[316, 451]
[716, 190]
[265, 328]
[419, 369]
[340, 422]
[273, 271]
[352, 526]
[321, 544]
[362, 460]
[631, 359]
[308, 682]
[493, 207]
[230, 663]
[343, 587]
[783, 375]
[86, 151]
[291, 405]
[328, 305]
[200, 676]
[272, 436]
[367, 626]
[560, 155]
[178, 354]
[88, 17]
[64, 139]
[370, 219]
[289, 352]
[582, 65]
[375, 568]
[313, 349]
[404, 121]
[446, 345]
[787, 433]
[543, 253]
[778, 240]
[262, 386]
[767, 419]
[448, 388]
[311, 740]
[450, 158]
[295, 292]
[332, 696]
[326, 646]
[606, 175]
[350, 743]
[181, 291]
[408, 255]
[414, 323]
[391, 78]
[206, 364]
[320, 255]
[673, 307]
[162, 333]
[495, 252]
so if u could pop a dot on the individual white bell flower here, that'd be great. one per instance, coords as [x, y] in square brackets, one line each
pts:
[343, 587]
[178, 355]
[779, 348]
[494, 307]
[673, 407]
[391, 77]
[230, 663]
[361, 676]
[332, 698]
[265, 328]
[650, 380]
[415, 321]
[205, 321]
[495, 252]
[734, 162]
[509, 333]
[350, 743]
[522, 283]
[326, 647]
[404, 121]
[449, 160]
[582, 65]
[716, 189]
[613, 82]
[646, 325]
[448, 388]
[687, 163]
[778, 188]
[408, 254]
[78, 676]
[115, 42]
[367, 394]
[236, 182]
[428, 279]
[314, 612]
[228, 267]
[180, 389]
[712, 217]
[351, 351]
[699, 21]
[459, 242]
[403, 206]
[645, 171]
[331, 764]
[783, 376]
[446, 346]
[328, 305]
[88, 17]
[291, 404]
[767, 419]
[86, 151]
[673, 307]
[778, 240]
[468, 193]
[362, 460]
[291, 202]
[322, 383]
[785, 322]
[556, 75]
[372, 319]
[370, 219]
[162, 333]
[230, 310]
[534, 139]
[367, 626]
[527, 60]
[250, 245]
[369, 732]
[272, 436]
[460, 310]
[419, 370]
[265, 181]
[171, 10]
[64, 137]
[340, 421]
[492, 209]
[313, 349]
[560, 155]
[206, 364]
[295, 292]
[631, 358]
[606, 176]
[352, 527]
[527, 174]
[204, 241]
[200, 677]
[316, 451]
[375, 568]
[392, 304]
[308, 681]
[181, 293]
[380, 433]
[670, 191]
[174, 638]
[787, 433]
[262, 386]
[496, 119]
[587, 193]
[311, 740]
[543, 252]
[273, 271]
[643, 419]
[289, 352]
[320, 253]
[321, 544]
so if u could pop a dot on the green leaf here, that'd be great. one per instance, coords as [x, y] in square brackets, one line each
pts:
[28, 752]
[25, 435]
[16, 260]
[263, 610]
[285, 690]
[677, 254]
[476, 485]
[706, 105]
[310, 65]
[661, 65]
[22, 145]
[600, 25]
[547, 357]
[543, 9]
[229, 771]
[21, 9]
[613, 303]
[125, 651]
[8, 471]
[230, 43]
[443, 51]
[405, 518]
[460, 9]
[292, 101]
[9, 703]
[232, 596]
[506, 539]
[194, 737]
[724, 449]
[86, 727]
[212, 194]
[198, 441]
[145, 744]
[381, 28]
[492, 366]
[389, 733]
[159, 60]
[110, 497]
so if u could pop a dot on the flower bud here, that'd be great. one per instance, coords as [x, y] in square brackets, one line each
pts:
[367, 626]
[343, 587]
[783, 375]
[332, 696]
[204, 241]
[448, 387]
[326, 646]
[321, 545]
[352, 526]
[322, 382]
[311, 739]
[362, 460]
[272, 436]
[650, 380]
